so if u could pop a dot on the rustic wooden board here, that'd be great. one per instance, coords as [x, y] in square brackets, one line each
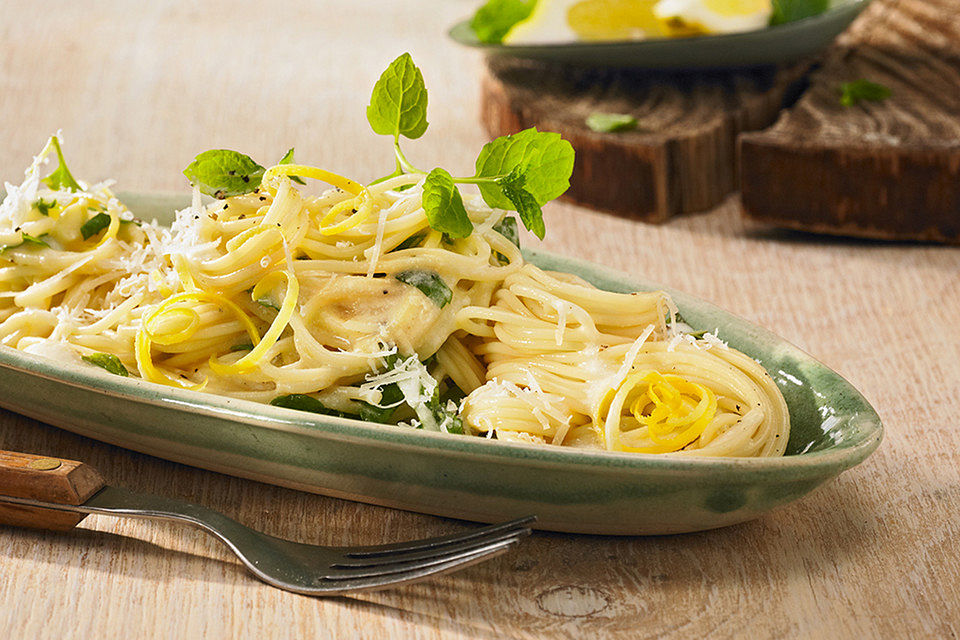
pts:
[681, 157]
[887, 169]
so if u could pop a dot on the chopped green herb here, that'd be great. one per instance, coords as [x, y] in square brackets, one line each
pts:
[430, 284]
[60, 178]
[44, 207]
[243, 346]
[699, 334]
[390, 395]
[398, 105]
[444, 416]
[29, 239]
[303, 402]
[411, 242]
[853, 92]
[611, 122]
[444, 206]
[222, 173]
[792, 10]
[94, 225]
[288, 159]
[109, 362]
[508, 229]
[494, 20]
[268, 303]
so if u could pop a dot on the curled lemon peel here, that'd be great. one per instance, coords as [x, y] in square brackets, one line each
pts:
[674, 410]
[362, 209]
[149, 333]
[157, 326]
[253, 357]
[305, 171]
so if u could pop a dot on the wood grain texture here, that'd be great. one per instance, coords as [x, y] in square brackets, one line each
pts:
[23, 475]
[681, 158]
[887, 169]
[140, 88]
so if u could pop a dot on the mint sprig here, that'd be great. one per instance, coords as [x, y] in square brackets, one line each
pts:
[60, 178]
[223, 173]
[519, 172]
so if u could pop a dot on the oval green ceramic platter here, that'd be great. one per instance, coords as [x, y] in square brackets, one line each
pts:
[833, 429]
[778, 44]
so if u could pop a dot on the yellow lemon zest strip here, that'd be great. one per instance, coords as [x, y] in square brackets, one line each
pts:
[156, 334]
[674, 421]
[363, 211]
[279, 323]
[316, 173]
[150, 372]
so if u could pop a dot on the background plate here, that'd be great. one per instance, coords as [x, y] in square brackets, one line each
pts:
[773, 45]
[833, 428]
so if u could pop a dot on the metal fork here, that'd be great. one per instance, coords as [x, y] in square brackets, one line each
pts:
[294, 566]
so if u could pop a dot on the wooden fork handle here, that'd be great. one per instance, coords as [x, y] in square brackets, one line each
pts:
[47, 479]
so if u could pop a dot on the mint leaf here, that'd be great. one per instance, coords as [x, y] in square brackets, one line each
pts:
[398, 105]
[109, 362]
[791, 10]
[611, 122]
[853, 92]
[94, 225]
[44, 207]
[243, 346]
[494, 20]
[222, 173]
[699, 334]
[288, 159]
[508, 229]
[544, 158]
[29, 239]
[513, 188]
[303, 402]
[430, 284]
[444, 206]
[411, 242]
[61, 178]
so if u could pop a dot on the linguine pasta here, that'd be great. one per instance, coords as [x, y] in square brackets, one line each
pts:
[350, 303]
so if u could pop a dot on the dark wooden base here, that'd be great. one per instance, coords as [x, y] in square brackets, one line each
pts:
[887, 169]
[682, 156]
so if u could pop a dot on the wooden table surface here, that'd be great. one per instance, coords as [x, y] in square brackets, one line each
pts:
[139, 88]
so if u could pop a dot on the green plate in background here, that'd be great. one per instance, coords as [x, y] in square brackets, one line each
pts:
[581, 491]
[773, 45]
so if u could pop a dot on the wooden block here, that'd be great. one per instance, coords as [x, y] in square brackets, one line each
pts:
[680, 159]
[887, 169]
[46, 479]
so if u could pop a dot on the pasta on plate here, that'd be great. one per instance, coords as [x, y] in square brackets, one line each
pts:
[350, 303]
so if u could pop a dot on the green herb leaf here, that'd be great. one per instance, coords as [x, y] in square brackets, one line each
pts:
[44, 207]
[94, 225]
[268, 303]
[109, 362]
[61, 178]
[611, 122]
[29, 239]
[791, 10]
[494, 20]
[853, 92]
[389, 395]
[222, 173]
[243, 346]
[411, 242]
[398, 105]
[542, 157]
[508, 229]
[430, 284]
[699, 334]
[513, 186]
[288, 159]
[444, 206]
[303, 402]
[444, 416]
